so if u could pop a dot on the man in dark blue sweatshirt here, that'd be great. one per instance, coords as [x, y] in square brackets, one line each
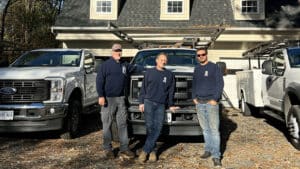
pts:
[110, 81]
[206, 92]
[156, 95]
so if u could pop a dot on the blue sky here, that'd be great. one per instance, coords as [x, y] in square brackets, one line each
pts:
[2, 4]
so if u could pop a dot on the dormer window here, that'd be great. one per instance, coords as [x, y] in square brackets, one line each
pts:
[249, 9]
[174, 6]
[104, 9]
[249, 6]
[174, 9]
[104, 6]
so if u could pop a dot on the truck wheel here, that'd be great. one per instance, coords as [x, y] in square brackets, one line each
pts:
[245, 107]
[71, 121]
[293, 124]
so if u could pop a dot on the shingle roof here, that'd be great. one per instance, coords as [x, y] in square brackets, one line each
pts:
[146, 13]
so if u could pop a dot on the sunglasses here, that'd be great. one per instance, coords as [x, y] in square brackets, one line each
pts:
[201, 54]
[118, 50]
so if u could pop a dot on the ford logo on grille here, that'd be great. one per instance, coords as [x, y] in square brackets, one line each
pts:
[8, 90]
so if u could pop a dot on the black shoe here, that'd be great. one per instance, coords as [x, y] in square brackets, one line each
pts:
[206, 154]
[217, 162]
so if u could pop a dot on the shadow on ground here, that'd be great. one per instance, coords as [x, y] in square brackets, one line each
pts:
[227, 126]
[89, 123]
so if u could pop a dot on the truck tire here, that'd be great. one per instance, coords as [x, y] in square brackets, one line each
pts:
[71, 121]
[244, 107]
[293, 125]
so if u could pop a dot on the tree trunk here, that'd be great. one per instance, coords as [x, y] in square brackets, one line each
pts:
[4, 60]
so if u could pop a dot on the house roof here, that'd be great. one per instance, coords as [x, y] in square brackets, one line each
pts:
[146, 13]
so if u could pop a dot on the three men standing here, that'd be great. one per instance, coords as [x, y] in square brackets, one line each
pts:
[156, 95]
[206, 92]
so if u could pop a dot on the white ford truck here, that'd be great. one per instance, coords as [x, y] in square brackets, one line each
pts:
[47, 89]
[275, 88]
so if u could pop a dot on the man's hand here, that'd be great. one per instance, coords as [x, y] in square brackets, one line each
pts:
[195, 101]
[141, 108]
[101, 101]
[212, 102]
[173, 108]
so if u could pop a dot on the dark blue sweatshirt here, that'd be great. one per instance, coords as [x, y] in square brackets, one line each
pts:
[158, 86]
[207, 82]
[111, 78]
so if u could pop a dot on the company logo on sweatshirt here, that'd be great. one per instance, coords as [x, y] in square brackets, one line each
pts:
[165, 80]
[206, 73]
[124, 70]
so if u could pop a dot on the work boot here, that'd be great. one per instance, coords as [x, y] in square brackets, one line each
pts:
[126, 154]
[152, 157]
[205, 155]
[217, 162]
[142, 157]
[108, 154]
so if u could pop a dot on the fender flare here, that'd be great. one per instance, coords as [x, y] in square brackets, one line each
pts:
[292, 92]
[293, 89]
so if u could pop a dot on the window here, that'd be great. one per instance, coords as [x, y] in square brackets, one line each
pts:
[175, 57]
[104, 9]
[104, 6]
[49, 58]
[174, 6]
[294, 57]
[174, 9]
[249, 6]
[249, 9]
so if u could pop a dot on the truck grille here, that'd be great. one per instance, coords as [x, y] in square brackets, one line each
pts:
[26, 91]
[182, 95]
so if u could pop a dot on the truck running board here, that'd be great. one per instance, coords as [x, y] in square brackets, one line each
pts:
[274, 115]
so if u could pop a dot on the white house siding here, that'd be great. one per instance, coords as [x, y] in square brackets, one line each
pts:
[100, 48]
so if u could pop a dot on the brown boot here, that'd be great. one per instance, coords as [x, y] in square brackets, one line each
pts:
[108, 154]
[152, 157]
[142, 157]
[126, 154]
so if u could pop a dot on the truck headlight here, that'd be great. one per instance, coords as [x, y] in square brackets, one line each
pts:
[56, 89]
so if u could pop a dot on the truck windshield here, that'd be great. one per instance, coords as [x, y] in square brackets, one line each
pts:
[294, 57]
[175, 57]
[48, 58]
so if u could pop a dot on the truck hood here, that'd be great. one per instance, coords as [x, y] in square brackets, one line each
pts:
[184, 69]
[181, 69]
[35, 72]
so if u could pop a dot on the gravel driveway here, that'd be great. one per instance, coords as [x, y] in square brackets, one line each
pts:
[247, 142]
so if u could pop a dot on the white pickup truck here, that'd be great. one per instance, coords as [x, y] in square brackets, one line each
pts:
[274, 89]
[47, 89]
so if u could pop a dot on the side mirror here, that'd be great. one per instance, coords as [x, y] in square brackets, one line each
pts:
[89, 68]
[267, 67]
[223, 68]
[89, 64]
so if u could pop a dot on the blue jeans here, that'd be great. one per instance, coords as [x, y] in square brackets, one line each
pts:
[115, 109]
[208, 116]
[154, 118]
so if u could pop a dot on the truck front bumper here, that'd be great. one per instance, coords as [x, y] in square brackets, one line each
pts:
[183, 122]
[31, 117]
